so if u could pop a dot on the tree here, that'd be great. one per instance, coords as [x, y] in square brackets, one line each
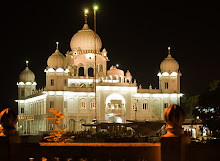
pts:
[210, 117]
[209, 108]
[191, 103]
[214, 85]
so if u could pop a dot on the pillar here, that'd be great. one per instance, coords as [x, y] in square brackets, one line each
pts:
[26, 126]
[174, 143]
[23, 127]
[30, 126]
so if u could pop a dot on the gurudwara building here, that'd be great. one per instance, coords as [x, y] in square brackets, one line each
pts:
[71, 88]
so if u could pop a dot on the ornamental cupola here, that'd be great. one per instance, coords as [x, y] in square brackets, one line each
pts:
[27, 75]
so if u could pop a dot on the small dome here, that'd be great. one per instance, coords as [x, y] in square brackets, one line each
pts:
[114, 71]
[128, 74]
[169, 65]
[27, 76]
[56, 60]
[84, 39]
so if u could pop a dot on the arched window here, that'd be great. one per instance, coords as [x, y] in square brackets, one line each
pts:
[73, 85]
[81, 71]
[100, 68]
[91, 72]
[145, 104]
[121, 79]
[115, 77]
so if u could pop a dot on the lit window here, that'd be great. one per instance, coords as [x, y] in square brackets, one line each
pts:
[145, 106]
[165, 105]
[83, 105]
[52, 82]
[92, 105]
[22, 110]
[166, 85]
[51, 104]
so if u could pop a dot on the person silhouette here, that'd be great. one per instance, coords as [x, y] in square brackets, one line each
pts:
[8, 120]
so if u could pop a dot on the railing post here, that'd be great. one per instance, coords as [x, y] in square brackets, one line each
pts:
[174, 143]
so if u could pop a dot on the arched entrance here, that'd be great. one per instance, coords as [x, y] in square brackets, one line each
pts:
[115, 108]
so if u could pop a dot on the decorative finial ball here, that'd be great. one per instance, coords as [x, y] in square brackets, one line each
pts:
[174, 116]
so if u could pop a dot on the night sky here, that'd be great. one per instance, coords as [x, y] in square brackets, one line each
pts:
[136, 35]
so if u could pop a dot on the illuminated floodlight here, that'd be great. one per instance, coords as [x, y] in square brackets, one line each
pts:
[168, 48]
[95, 7]
[174, 74]
[86, 11]
[159, 74]
[117, 65]
[165, 74]
[59, 70]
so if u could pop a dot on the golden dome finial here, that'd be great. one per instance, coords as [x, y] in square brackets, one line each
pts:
[85, 14]
[57, 45]
[27, 63]
[169, 51]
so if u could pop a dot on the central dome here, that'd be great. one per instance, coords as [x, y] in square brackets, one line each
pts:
[27, 76]
[85, 39]
[169, 65]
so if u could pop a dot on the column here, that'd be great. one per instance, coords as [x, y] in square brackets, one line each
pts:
[23, 127]
[26, 126]
[174, 143]
[30, 126]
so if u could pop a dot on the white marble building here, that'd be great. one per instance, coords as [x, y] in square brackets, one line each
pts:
[70, 89]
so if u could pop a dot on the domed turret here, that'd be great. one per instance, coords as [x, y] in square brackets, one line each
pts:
[27, 75]
[114, 71]
[169, 64]
[85, 40]
[128, 75]
[56, 60]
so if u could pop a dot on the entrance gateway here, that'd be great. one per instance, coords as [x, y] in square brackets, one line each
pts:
[115, 108]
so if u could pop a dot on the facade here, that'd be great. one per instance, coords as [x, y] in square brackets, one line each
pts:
[70, 88]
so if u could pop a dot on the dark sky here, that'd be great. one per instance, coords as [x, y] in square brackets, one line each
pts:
[136, 35]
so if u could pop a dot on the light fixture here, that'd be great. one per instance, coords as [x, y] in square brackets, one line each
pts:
[95, 7]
